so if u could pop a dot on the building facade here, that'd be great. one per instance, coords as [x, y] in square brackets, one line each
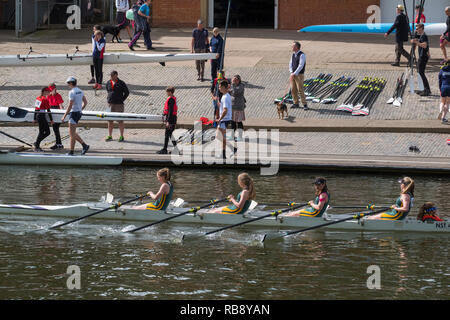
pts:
[29, 15]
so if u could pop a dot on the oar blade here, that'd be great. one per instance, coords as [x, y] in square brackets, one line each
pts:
[16, 113]
[192, 236]
[272, 236]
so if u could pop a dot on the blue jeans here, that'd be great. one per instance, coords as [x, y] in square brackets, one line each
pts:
[147, 39]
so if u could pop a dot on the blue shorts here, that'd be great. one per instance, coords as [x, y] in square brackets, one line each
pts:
[225, 124]
[74, 117]
[445, 92]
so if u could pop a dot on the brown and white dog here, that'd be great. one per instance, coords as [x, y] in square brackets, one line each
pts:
[281, 109]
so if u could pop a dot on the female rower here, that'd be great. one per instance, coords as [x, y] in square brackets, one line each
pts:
[56, 101]
[243, 201]
[164, 194]
[428, 212]
[319, 205]
[42, 109]
[403, 205]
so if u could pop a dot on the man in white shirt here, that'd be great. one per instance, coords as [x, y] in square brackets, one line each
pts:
[122, 7]
[76, 105]
[225, 116]
[297, 66]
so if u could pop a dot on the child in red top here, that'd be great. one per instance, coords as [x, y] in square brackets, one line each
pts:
[428, 212]
[170, 119]
[42, 109]
[55, 100]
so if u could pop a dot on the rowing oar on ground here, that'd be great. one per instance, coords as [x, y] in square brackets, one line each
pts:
[113, 206]
[278, 235]
[191, 210]
[292, 206]
[12, 137]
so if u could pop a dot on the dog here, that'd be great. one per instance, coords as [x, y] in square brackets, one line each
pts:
[281, 109]
[114, 30]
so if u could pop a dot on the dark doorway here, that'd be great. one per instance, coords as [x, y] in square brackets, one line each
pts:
[245, 13]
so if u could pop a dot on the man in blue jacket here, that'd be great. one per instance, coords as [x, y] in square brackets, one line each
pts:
[216, 46]
[401, 27]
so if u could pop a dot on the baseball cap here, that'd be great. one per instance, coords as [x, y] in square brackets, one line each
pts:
[401, 7]
[320, 181]
[71, 79]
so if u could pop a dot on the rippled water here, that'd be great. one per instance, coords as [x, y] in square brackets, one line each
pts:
[230, 265]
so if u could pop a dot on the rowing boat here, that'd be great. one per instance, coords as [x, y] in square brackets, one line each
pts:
[13, 114]
[76, 59]
[431, 29]
[23, 158]
[128, 214]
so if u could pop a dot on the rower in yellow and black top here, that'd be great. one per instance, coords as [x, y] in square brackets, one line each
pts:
[244, 198]
[403, 205]
[164, 194]
[319, 205]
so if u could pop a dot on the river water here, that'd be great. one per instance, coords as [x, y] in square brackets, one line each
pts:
[231, 265]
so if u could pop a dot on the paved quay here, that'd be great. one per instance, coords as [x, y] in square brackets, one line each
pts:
[320, 137]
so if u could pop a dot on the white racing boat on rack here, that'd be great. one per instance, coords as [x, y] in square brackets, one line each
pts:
[76, 59]
[15, 114]
[125, 213]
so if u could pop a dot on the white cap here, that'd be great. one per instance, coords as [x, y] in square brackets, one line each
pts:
[71, 79]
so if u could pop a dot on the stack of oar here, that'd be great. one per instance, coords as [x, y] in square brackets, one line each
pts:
[333, 91]
[314, 85]
[397, 97]
[363, 97]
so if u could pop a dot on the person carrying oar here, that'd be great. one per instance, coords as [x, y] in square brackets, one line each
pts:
[164, 194]
[319, 205]
[243, 201]
[403, 205]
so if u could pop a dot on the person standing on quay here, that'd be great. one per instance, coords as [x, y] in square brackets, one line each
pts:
[297, 66]
[199, 44]
[445, 37]
[77, 104]
[98, 43]
[444, 86]
[117, 93]
[424, 55]
[238, 105]
[401, 27]
[216, 46]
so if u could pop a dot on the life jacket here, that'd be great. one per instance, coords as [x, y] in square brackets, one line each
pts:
[430, 217]
[166, 106]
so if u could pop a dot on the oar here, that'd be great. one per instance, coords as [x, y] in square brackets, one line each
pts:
[292, 206]
[368, 207]
[4, 133]
[18, 113]
[191, 210]
[271, 236]
[113, 206]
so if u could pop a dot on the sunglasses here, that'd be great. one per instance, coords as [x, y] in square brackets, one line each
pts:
[430, 209]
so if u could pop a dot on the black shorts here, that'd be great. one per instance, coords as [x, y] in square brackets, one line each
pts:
[74, 117]
[122, 20]
[445, 92]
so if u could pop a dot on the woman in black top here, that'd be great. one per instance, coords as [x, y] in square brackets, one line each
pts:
[424, 52]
